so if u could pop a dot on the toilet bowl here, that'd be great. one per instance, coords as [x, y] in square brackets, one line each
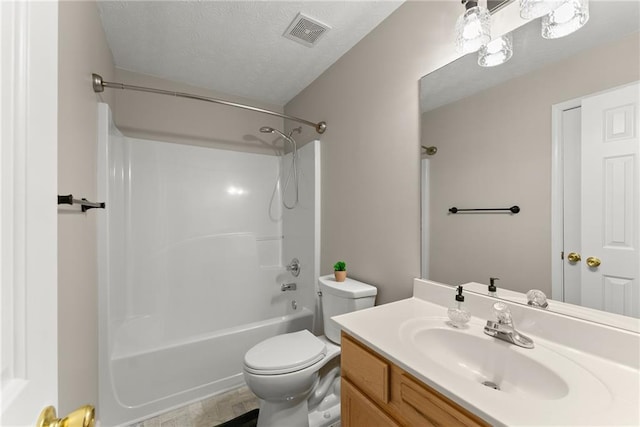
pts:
[284, 382]
[296, 376]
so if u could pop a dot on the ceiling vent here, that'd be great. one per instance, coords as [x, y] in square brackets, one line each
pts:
[305, 30]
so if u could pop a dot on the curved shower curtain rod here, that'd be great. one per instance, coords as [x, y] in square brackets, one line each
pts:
[99, 85]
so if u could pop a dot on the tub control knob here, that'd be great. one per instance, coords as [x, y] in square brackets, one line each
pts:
[294, 267]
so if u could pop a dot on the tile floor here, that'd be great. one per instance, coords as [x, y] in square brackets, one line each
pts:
[207, 413]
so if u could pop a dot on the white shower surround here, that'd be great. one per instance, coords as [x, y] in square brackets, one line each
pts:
[191, 260]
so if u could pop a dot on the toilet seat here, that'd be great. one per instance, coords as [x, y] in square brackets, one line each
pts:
[285, 353]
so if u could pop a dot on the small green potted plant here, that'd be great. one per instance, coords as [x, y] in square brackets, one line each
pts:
[340, 271]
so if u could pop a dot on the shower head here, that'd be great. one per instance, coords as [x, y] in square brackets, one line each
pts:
[267, 129]
[294, 167]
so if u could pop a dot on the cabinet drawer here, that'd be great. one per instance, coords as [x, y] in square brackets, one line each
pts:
[422, 406]
[365, 370]
[358, 411]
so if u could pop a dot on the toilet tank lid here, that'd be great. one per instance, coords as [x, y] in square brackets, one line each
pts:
[350, 288]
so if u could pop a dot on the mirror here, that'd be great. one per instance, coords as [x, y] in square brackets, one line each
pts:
[498, 135]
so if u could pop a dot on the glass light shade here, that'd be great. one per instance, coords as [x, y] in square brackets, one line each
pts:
[473, 29]
[496, 52]
[566, 19]
[530, 9]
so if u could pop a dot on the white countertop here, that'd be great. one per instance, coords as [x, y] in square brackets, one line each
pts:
[601, 391]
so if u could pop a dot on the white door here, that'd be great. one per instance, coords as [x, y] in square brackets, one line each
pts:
[28, 212]
[610, 201]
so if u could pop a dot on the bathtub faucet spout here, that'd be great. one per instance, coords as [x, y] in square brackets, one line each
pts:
[288, 287]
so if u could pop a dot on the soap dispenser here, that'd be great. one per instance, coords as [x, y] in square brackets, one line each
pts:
[459, 316]
[492, 286]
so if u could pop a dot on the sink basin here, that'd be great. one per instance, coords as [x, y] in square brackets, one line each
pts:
[491, 363]
[495, 366]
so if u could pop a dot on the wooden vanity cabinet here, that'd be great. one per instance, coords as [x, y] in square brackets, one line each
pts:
[358, 410]
[377, 393]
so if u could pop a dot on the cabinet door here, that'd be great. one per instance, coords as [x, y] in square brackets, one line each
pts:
[423, 406]
[359, 411]
[365, 370]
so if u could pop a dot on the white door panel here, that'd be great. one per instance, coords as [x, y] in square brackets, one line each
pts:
[610, 200]
[28, 215]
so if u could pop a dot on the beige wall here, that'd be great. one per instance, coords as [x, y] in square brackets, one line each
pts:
[494, 150]
[165, 118]
[82, 50]
[370, 152]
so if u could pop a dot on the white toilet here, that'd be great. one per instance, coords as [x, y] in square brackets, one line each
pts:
[297, 375]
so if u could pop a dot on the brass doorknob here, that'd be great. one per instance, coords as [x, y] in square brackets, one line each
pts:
[573, 257]
[81, 417]
[593, 262]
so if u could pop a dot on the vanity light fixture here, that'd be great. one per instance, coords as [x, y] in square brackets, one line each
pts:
[473, 27]
[530, 9]
[496, 52]
[570, 16]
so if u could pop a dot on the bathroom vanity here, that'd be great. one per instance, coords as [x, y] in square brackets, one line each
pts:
[377, 392]
[404, 365]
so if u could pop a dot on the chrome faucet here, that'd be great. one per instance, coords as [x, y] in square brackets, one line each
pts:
[503, 329]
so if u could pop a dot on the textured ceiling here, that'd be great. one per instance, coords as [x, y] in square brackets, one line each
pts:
[235, 47]
[609, 21]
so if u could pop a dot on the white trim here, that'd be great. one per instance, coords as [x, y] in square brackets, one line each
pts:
[424, 218]
[317, 233]
[28, 216]
[12, 165]
[557, 210]
[317, 205]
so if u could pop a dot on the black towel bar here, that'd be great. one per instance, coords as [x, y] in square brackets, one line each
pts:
[84, 203]
[514, 209]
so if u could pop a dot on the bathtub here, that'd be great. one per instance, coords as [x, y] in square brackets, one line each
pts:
[146, 382]
[190, 269]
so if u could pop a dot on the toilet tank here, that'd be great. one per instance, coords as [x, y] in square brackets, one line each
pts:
[340, 298]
